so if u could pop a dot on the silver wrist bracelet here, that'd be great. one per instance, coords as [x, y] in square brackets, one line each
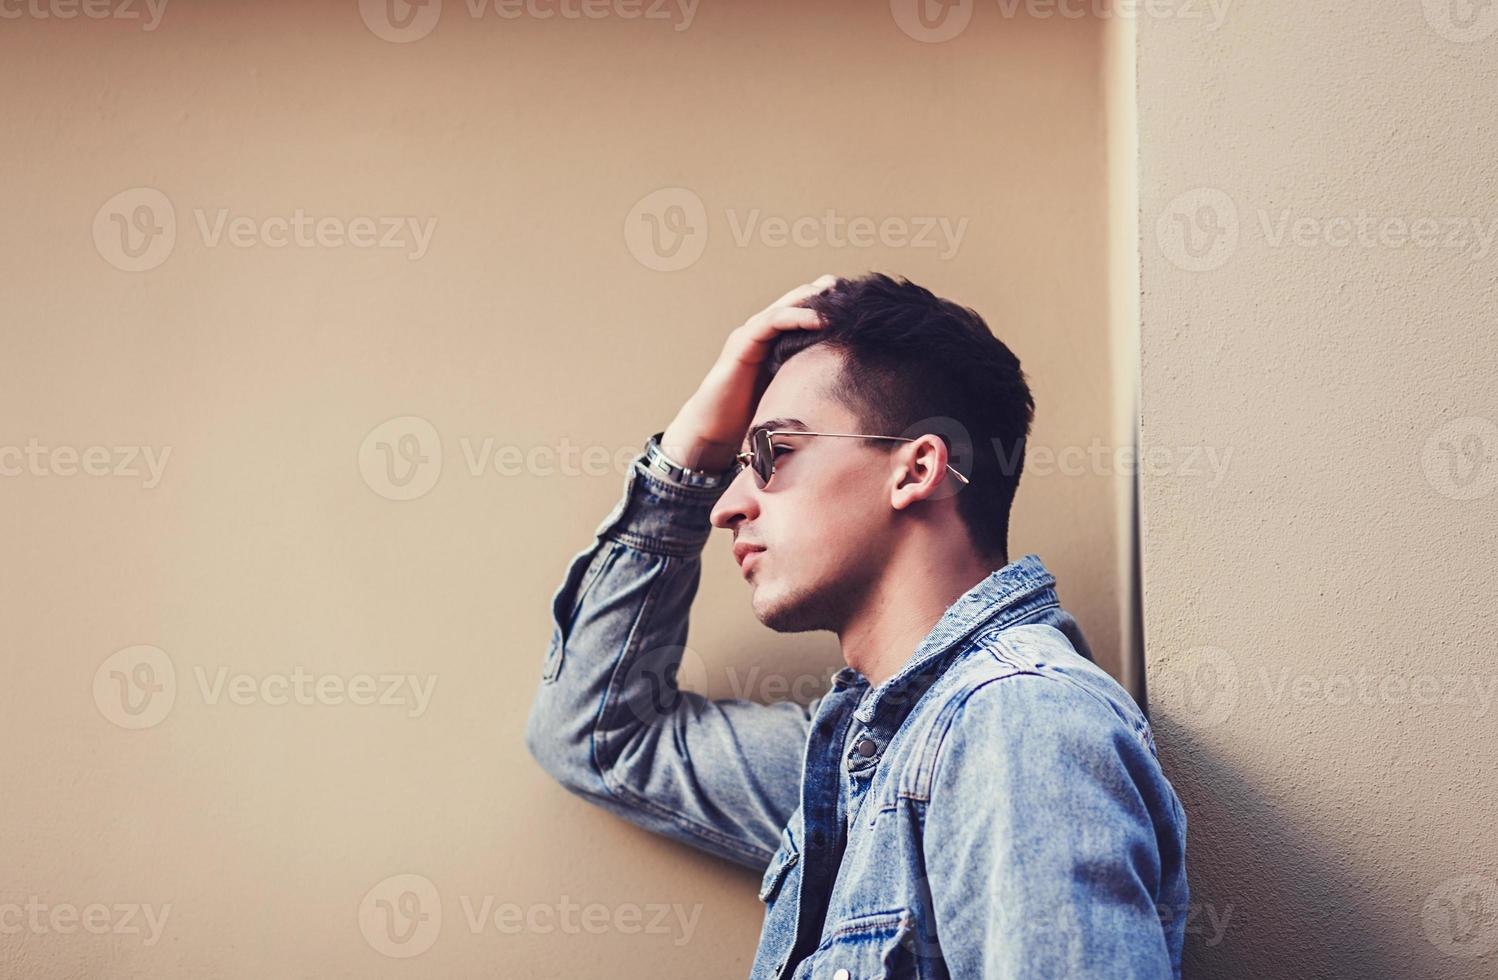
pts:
[657, 460]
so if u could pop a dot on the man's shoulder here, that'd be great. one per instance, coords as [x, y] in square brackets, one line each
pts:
[1024, 682]
[1031, 666]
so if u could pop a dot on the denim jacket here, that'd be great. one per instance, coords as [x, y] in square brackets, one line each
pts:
[994, 809]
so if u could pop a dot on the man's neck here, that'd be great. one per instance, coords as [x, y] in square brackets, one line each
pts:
[902, 607]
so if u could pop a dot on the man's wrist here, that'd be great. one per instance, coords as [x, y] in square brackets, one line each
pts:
[661, 464]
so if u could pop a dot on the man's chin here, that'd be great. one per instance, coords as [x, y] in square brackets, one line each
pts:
[773, 610]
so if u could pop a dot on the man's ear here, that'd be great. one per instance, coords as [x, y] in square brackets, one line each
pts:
[921, 472]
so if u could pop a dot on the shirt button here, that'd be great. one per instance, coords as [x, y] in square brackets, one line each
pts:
[840, 975]
[866, 747]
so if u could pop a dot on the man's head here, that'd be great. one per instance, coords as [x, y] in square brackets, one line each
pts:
[891, 359]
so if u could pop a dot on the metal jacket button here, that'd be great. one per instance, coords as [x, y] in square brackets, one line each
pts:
[866, 747]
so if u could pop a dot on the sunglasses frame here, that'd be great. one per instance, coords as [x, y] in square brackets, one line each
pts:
[759, 441]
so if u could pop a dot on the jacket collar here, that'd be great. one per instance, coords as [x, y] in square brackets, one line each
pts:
[1009, 593]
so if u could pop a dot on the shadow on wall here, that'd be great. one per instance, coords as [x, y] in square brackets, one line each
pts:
[1243, 841]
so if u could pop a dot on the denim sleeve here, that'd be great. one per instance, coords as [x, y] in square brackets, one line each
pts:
[1045, 829]
[609, 722]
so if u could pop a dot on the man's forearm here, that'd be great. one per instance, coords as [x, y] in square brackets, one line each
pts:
[646, 552]
[609, 722]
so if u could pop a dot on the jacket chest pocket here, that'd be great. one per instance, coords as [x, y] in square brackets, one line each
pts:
[873, 945]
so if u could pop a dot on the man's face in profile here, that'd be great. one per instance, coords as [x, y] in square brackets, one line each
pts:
[825, 519]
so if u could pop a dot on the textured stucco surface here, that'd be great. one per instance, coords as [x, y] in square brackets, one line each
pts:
[1320, 625]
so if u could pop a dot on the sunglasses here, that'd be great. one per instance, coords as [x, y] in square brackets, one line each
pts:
[760, 458]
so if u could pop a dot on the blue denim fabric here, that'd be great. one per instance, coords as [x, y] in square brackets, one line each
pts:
[995, 809]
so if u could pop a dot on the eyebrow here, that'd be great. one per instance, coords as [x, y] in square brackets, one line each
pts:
[777, 423]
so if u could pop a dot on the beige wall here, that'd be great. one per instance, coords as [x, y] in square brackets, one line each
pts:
[270, 544]
[1319, 626]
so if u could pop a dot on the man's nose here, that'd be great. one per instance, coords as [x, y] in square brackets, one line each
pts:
[737, 502]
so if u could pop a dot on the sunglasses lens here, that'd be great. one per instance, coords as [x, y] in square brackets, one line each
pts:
[764, 457]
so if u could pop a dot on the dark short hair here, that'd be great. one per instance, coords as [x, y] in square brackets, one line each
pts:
[911, 357]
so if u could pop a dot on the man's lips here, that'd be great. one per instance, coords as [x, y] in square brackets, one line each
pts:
[743, 551]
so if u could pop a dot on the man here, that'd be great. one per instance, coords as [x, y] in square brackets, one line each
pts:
[972, 796]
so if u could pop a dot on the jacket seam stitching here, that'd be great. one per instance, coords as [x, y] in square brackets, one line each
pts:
[933, 747]
[654, 545]
[1112, 708]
